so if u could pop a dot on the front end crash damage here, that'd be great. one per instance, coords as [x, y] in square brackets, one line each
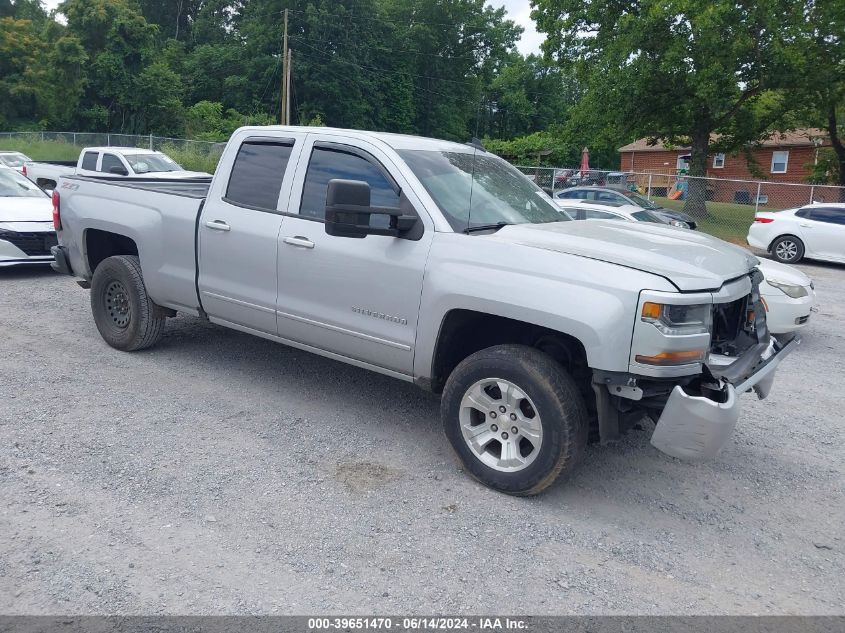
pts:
[696, 414]
[695, 427]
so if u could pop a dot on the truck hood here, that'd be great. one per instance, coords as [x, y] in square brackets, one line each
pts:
[26, 209]
[691, 260]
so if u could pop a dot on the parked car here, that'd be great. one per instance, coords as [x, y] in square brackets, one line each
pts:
[593, 177]
[816, 231]
[439, 264]
[789, 297]
[26, 221]
[621, 195]
[120, 162]
[15, 160]
[584, 210]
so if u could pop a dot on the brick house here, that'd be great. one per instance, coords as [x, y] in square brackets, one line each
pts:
[785, 157]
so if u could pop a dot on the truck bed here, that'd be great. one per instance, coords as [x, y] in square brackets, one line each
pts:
[159, 216]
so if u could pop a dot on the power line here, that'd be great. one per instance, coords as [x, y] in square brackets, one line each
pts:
[376, 69]
[332, 54]
[407, 23]
[411, 51]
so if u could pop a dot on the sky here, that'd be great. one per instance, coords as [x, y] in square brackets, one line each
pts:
[518, 10]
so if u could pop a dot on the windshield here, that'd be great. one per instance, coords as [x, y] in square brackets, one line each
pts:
[13, 160]
[480, 189]
[13, 185]
[638, 200]
[646, 216]
[147, 163]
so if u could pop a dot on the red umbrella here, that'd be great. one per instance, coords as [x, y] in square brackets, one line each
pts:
[585, 161]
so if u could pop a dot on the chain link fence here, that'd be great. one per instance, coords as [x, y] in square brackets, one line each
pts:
[193, 155]
[722, 207]
[102, 139]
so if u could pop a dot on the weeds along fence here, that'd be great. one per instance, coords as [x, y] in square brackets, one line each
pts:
[196, 155]
[729, 205]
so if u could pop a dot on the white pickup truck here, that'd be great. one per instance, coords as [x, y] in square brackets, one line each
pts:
[440, 264]
[126, 162]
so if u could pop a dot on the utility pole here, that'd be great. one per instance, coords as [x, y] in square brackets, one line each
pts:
[284, 90]
[287, 87]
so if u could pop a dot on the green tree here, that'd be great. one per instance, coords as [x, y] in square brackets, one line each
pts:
[680, 70]
[128, 89]
[21, 81]
[821, 89]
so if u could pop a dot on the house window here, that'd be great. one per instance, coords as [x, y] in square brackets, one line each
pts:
[683, 162]
[718, 161]
[779, 162]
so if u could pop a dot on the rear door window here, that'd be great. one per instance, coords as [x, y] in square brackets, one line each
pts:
[89, 161]
[829, 215]
[110, 161]
[257, 174]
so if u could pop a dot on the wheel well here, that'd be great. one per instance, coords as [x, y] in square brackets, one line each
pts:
[102, 244]
[465, 332]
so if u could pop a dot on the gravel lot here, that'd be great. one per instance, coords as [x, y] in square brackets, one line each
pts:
[219, 473]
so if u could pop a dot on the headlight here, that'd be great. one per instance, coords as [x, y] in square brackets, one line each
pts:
[790, 290]
[675, 320]
[679, 224]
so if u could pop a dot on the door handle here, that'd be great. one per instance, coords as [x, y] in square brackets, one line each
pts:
[218, 225]
[298, 240]
[806, 226]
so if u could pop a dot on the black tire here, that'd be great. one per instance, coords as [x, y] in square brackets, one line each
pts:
[125, 315]
[787, 249]
[557, 399]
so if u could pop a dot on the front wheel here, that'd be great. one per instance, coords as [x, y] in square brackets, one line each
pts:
[515, 418]
[124, 313]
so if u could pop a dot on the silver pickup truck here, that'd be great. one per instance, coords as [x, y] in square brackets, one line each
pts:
[440, 264]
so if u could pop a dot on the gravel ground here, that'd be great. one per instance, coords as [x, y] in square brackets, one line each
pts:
[220, 474]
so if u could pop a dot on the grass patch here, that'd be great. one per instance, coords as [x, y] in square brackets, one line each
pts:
[727, 221]
[192, 159]
[41, 150]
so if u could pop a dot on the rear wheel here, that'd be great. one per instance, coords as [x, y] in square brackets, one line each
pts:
[788, 249]
[125, 315]
[515, 418]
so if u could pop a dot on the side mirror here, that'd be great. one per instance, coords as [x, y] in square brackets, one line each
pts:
[348, 212]
[120, 171]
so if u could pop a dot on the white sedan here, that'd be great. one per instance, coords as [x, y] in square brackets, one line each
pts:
[816, 231]
[789, 297]
[594, 210]
[26, 221]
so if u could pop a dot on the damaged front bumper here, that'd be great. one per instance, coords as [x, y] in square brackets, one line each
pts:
[694, 427]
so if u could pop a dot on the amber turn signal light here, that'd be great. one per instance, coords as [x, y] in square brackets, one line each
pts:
[673, 358]
[651, 310]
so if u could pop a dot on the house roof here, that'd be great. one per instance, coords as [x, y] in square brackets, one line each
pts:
[792, 138]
